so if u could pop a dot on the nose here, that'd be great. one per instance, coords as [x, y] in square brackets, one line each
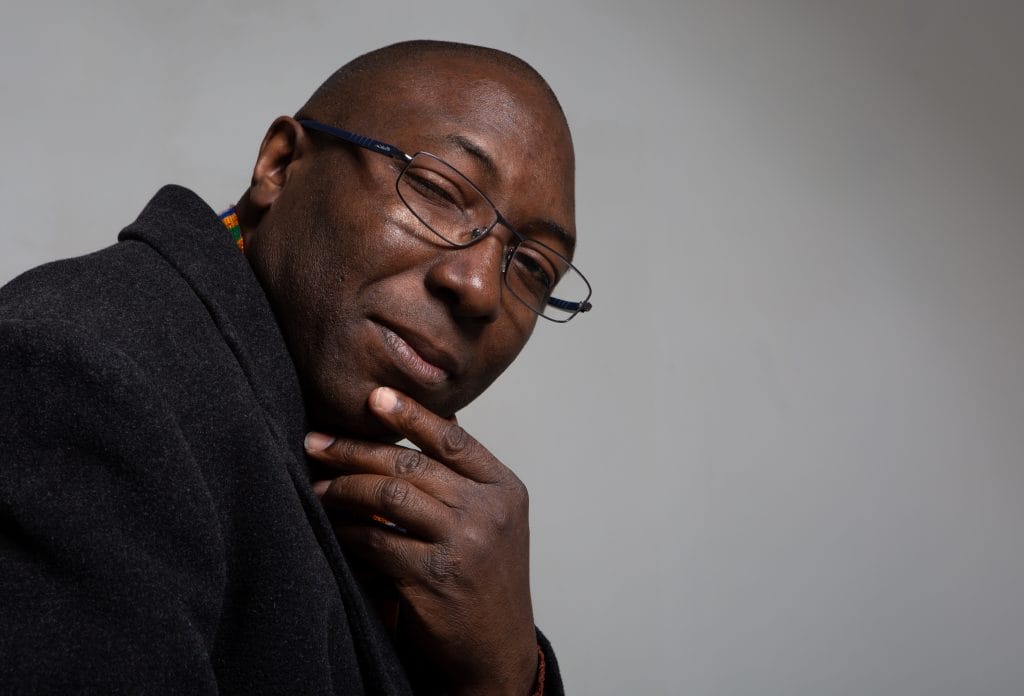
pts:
[469, 279]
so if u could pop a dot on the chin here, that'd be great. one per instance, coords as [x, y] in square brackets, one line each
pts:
[348, 414]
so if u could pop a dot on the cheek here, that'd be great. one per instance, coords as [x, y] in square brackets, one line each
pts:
[307, 271]
[513, 339]
[497, 353]
[338, 246]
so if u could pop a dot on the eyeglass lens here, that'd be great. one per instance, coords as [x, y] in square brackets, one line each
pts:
[455, 210]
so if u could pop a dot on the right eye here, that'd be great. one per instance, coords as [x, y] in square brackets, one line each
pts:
[432, 188]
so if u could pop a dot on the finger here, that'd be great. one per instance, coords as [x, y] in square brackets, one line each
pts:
[359, 457]
[402, 558]
[340, 514]
[443, 440]
[363, 496]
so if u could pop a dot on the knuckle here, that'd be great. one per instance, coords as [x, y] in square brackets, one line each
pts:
[511, 509]
[411, 416]
[393, 493]
[345, 450]
[376, 543]
[442, 565]
[518, 494]
[454, 439]
[512, 490]
[503, 519]
[408, 462]
[476, 539]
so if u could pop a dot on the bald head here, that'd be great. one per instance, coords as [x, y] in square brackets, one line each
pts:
[408, 63]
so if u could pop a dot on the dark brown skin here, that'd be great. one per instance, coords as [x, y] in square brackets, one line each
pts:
[340, 256]
[462, 570]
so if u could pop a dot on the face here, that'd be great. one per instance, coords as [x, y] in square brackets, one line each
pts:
[365, 294]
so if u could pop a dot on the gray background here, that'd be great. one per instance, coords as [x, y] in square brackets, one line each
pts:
[784, 453]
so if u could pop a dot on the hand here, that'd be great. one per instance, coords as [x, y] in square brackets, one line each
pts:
[460, 560]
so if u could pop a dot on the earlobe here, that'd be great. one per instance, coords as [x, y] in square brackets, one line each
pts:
[282, 146]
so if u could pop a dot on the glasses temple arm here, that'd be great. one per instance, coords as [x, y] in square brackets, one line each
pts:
[568, 306]
[356, 139]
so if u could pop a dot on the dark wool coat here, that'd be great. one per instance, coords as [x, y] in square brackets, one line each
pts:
[158, 531]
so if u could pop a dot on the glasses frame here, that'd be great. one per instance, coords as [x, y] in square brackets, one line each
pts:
[382, 148]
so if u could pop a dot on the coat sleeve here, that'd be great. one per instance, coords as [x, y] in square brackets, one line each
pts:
[111, 559]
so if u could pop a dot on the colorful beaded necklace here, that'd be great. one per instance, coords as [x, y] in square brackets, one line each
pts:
[230, 219]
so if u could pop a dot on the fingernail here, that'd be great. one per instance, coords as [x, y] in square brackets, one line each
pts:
[318, 441]
[320, 487]
[385, 399]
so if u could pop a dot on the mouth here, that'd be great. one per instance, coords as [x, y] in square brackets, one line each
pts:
[416, 358]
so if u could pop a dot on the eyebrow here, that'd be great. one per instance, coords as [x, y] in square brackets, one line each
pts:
[477, 152]
[548, 227]
[551, 228]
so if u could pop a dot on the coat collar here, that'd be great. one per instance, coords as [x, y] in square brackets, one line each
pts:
[190, 236]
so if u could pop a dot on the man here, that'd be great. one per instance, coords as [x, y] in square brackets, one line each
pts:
[199, 488]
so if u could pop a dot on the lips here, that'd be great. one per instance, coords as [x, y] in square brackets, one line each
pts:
[417, 358]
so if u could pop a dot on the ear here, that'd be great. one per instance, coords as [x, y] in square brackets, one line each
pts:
[283, 146]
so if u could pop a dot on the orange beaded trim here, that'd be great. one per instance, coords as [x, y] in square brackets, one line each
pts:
[230, 219]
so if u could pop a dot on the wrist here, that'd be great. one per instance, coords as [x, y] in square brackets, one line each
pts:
[527, 680]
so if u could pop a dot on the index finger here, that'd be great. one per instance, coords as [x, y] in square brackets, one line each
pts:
[441, 439]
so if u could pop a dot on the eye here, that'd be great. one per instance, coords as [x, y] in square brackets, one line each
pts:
[432, 187]
[533, 271]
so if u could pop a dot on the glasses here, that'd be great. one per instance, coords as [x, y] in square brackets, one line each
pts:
[453, 208]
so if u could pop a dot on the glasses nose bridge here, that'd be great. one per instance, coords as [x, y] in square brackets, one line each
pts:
[509, 241]
[504, 249]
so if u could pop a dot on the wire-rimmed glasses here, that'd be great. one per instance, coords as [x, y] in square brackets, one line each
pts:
[454, 209]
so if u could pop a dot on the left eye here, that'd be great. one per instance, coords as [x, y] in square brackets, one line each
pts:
[534, 270]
